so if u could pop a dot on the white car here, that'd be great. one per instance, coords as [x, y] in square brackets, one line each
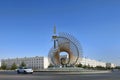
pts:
[24, 70]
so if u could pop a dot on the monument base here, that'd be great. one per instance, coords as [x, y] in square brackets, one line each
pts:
[67, 69]
[71, 70]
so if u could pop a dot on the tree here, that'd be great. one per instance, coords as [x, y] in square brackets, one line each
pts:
[100, 68]
[22, 64]
[50, 65]
[88, 66]
[78, 65]
[3, 66]
[117, 67]
[84, 66]
[14, 66]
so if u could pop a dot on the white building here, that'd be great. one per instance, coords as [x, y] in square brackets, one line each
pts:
[110, 65]
[43, 63]
[0, 63]
[93, 63]
[32, 62]
[113, 65]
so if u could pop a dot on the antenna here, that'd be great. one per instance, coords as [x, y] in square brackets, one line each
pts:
[54, 29]
[54, 36]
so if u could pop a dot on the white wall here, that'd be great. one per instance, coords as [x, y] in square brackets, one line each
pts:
[32, 62]
[92, 63]
[0, 63]
[46, 62]
[43, 63]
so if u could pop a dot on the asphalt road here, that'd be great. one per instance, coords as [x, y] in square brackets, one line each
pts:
[10, 75]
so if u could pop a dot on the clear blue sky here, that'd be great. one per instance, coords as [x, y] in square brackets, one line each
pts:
[26, 27]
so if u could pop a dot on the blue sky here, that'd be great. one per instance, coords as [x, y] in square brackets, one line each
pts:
[26, 27]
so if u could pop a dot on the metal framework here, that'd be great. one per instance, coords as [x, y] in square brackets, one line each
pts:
[65, 42]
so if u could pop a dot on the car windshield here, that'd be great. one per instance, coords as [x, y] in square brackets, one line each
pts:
[25, 68]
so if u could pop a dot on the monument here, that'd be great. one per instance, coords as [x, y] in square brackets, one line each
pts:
[64, 42]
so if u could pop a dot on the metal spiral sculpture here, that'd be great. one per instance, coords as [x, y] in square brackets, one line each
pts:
[64, 42]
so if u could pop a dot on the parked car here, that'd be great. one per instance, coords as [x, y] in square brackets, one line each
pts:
[24, 70]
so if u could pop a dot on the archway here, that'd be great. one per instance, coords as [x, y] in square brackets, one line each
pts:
[64, 58]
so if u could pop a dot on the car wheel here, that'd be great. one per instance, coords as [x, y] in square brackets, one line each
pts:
[25, 72]
[18, 71]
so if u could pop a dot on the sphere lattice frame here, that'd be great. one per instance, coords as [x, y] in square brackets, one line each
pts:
[65, 43]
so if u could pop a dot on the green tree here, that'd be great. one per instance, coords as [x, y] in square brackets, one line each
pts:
[100, 68]
[3, 66]
[23, 64]
[78, 65]
[14, 66]
[84, 66]
[88, 66]
[50, 65]
[117, 67]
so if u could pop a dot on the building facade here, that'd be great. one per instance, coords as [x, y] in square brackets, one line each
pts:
[94, 63]
[0, 63]
[110, 65]
[37, 62]
[32, 62]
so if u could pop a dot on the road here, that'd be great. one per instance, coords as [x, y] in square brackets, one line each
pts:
[10, 75]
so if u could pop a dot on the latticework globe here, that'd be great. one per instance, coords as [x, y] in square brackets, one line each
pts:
[65, 43]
